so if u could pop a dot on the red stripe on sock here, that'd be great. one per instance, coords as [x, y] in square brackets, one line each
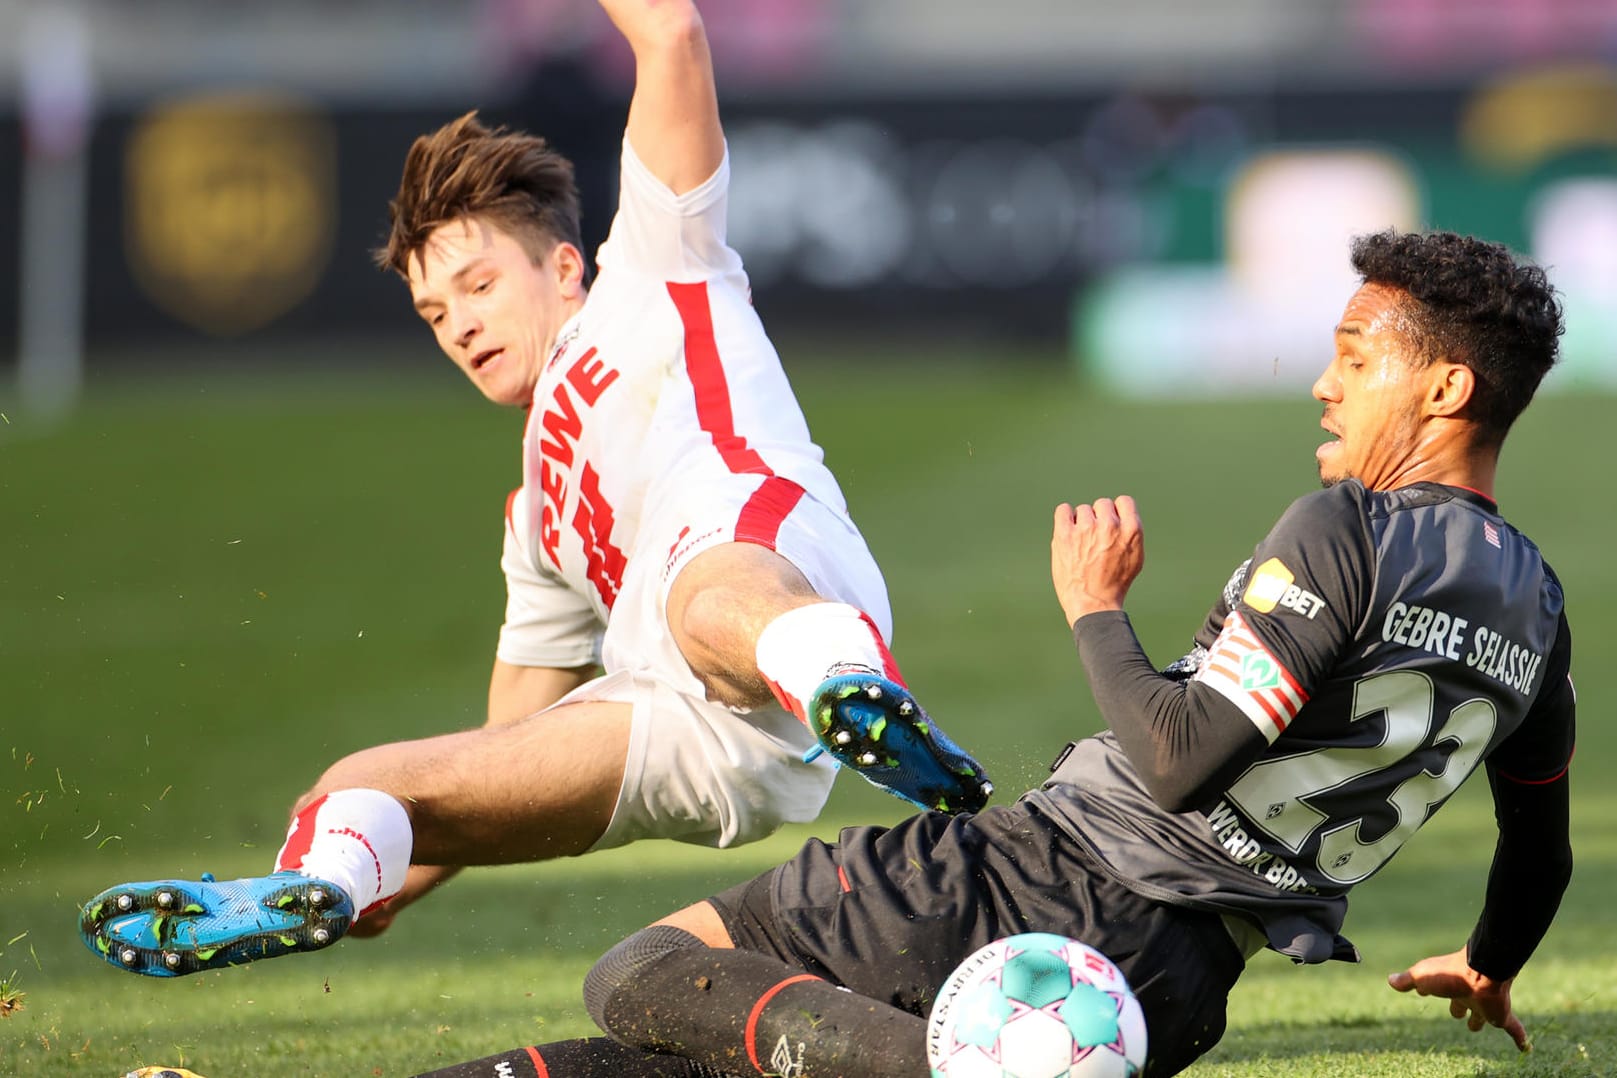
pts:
[372, 908]
[757, 1012]
[302, 837]
[888, 663]
[706, 370]
[787, 700]
[538, 1062]
[769, 506]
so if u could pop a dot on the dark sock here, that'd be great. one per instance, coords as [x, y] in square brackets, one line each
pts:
[747, 1013]
[596, 1057]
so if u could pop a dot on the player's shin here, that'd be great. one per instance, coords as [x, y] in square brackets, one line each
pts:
[745, 1012]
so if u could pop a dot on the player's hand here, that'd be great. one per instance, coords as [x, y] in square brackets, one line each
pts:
[417, 882]
[1096, 551]
[1479, 1000]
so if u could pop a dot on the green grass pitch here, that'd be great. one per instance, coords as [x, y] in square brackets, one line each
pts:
[212, 587]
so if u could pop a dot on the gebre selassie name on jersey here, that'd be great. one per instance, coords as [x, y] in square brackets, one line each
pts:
[1492, 653]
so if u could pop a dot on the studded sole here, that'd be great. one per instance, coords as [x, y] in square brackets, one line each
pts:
[317, 918]
[868, 746]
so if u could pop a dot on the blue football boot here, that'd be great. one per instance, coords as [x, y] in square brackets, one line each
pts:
[875, 727]
[167, 928]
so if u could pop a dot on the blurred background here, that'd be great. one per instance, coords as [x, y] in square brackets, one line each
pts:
[1013, 253]
[188, 175]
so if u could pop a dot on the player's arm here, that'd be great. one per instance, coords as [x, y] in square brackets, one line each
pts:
[674, 112]
[1532, 862]
[1186, 742]
[1189, 739]
[1182, 745]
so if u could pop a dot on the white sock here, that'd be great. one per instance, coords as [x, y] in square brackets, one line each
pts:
[357, 839]
[804, 646]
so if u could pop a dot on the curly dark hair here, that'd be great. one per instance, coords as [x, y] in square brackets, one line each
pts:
[1472, 302]
[468, 169]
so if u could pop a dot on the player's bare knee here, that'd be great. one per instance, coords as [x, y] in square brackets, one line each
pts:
[621, 968]
[722, 600]
[704, 618]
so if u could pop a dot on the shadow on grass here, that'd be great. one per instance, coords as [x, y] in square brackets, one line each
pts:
[1577, 1044]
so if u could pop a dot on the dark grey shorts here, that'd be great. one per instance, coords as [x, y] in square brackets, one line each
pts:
[890, 912]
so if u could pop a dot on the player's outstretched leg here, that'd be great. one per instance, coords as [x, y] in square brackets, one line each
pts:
[166, 928]
[874, 726]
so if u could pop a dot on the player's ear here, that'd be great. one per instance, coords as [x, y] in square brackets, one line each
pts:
[1449, 388]
[567, 263]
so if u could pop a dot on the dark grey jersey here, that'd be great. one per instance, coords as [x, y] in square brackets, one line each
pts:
[1383, 644]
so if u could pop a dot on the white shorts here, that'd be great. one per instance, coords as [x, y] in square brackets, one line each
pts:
[698, 771]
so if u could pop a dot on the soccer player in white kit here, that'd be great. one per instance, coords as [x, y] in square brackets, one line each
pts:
[675, 526]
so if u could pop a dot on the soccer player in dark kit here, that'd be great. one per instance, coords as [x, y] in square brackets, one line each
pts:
[1388, 636]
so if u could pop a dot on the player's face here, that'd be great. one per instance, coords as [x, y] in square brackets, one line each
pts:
[1372, 393]
[493, 310]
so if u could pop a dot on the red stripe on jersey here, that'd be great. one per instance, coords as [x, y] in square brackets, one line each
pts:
[757, 1012]
[1273, 712]
[842, 878]
[510, 500]
[1291, 683]
[706, 370]
[538, 1062]
[302, 837]
[770, 504]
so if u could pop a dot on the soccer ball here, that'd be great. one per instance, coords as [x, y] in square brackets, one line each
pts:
[162, 1072]
[1036, 1006]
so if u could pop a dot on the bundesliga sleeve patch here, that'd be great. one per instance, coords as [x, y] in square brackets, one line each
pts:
[1244, 672]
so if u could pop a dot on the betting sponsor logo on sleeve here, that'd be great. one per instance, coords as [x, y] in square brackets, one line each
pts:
[1273, 585]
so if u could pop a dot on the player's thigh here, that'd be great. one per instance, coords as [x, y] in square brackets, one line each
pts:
[699, 772]
[542, 786]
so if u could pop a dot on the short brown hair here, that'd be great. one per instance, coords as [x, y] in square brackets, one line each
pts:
[467, 169]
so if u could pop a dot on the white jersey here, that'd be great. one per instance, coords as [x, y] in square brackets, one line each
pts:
[664, 382]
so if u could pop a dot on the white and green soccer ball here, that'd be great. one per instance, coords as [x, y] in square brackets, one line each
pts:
[1036, 1006]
